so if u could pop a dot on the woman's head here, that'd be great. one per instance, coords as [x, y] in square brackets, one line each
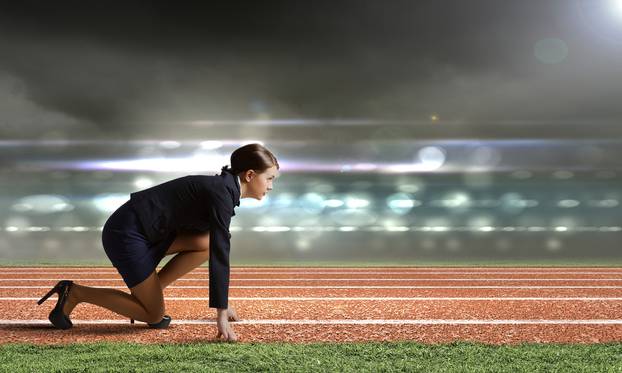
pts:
[257, 167]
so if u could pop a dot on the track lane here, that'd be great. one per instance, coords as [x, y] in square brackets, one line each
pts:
[435, 315]
[355, 309]
[323, 276]
[336, 282]
[493, 334]
[235, 291]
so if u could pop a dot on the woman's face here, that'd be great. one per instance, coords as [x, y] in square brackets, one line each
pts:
[259, 184]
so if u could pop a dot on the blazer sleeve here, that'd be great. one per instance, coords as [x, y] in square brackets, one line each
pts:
[221, 213]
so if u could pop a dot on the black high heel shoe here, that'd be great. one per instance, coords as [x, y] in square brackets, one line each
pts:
[56, 316]
[163, 324]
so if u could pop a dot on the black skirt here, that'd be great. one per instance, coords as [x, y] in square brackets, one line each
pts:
[127, 247]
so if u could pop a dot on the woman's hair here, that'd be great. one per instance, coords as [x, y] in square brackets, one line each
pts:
[251, 157]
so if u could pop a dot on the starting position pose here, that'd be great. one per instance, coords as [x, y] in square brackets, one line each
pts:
[188, 216]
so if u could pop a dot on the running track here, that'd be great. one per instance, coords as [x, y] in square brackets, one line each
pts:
[305, 304]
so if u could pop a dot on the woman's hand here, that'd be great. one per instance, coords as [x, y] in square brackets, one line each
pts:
[224, 329]
[231, 315]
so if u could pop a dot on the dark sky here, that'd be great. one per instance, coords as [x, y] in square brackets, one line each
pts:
[95, 67]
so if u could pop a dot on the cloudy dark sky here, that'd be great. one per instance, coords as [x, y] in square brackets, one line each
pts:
[139, 67]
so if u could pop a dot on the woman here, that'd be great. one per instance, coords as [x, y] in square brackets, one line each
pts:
[188, 216]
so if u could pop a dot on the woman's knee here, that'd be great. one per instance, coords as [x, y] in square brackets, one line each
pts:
[155, 316]
[149, 294]
[154, 311]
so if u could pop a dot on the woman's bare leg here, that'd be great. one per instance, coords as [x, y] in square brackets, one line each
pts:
[192, 252]
[145, 303]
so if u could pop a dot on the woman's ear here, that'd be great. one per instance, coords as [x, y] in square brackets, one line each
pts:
[249, 175]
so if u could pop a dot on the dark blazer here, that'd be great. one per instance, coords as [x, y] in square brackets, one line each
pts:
[196, 203]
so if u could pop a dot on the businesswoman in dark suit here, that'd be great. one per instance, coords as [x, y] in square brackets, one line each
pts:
[189, 217]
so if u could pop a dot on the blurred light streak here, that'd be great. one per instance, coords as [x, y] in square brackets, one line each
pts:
[371, 228]
[188, 164]
[568, 203]
[109, 202]
[432, 157]
[211, 145]
[401, 203]
[42, 204]
[355, 203]
[605, 203]
[170, 144]
[208, 145]
[347, 229]
[143, 183]
[295, 122]
[333, 203]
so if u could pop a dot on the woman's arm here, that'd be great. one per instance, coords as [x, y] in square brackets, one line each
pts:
[221, 213]
[221, 210]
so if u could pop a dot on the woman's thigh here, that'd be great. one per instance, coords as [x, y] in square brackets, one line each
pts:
[189, 242]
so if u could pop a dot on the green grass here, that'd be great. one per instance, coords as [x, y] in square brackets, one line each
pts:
[328, 357]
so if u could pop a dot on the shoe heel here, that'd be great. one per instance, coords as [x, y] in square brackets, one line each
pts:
[58, 319]
[49, 294]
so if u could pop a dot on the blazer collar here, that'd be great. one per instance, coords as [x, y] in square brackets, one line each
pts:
[233, 184]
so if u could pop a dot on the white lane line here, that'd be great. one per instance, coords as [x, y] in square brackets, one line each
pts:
[553, 299]
[337, 279]
[336, 273]
[346, 322]
[350, 287]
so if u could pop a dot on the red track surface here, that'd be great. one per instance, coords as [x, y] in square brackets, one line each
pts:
[491, 305]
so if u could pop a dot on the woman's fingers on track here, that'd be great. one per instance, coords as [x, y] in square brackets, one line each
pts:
[232, 315]
[232, 337]
[228, 336]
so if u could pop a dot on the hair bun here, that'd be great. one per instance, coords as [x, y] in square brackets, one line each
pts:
[227, 169]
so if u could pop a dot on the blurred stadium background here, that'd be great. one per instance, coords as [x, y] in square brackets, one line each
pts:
[387, 199]
[406, 131]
